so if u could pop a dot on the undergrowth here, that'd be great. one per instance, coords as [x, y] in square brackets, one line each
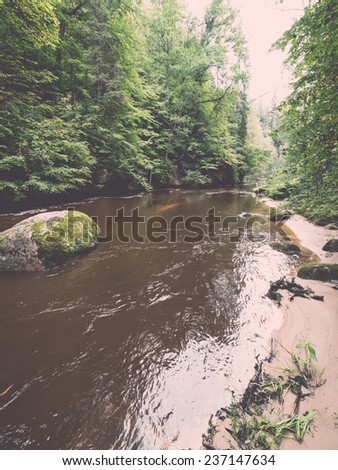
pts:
[257, 420]
[319, 204]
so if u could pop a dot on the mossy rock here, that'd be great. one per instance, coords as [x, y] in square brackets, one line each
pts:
[319, 272]
[46, 240]
[287, 248]
[331, 246]
[279, 215]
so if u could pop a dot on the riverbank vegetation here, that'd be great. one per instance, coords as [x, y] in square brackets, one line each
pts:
[308, 117]
[269, 410]
[105, 93]
[125, 95]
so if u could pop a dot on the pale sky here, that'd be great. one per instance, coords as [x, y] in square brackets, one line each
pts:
[264, 21]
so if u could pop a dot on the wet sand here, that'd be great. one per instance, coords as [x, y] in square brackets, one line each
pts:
[318, 323]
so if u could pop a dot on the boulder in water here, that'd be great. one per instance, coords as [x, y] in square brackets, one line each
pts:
[46, 240]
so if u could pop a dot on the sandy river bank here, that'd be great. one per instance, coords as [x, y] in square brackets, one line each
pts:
[316, 322]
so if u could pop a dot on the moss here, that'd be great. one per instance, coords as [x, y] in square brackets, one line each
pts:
[319, 272]
[58, 240]
[3, 240]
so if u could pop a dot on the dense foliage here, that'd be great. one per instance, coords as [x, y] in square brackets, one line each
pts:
[309, 115]
[117, 93]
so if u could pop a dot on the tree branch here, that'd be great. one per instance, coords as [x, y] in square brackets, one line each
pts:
[216, 100]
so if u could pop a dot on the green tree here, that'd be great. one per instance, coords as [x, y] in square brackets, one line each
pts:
[109, 86]
[198, 90]
[309, 115]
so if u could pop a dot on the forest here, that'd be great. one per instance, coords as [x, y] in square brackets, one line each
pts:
[168, 229]
[119, 95]
[109, 90]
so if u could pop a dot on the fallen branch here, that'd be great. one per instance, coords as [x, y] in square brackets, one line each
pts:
[295, 289]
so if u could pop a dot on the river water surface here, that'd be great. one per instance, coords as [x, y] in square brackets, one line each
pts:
[135, 345]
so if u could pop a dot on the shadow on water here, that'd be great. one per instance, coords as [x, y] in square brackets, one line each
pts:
[135, 345]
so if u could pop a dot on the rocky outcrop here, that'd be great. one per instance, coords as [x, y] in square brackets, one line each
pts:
[331, 245]
[46, 240]
[287, 248]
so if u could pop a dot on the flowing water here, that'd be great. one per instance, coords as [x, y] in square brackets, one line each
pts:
[135, 345]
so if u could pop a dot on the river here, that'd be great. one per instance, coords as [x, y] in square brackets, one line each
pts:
[135, 345]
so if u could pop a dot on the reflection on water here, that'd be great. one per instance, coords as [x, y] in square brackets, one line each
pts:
[135, 345]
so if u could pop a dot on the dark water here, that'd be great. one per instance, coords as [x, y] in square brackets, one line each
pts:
[135, 345]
